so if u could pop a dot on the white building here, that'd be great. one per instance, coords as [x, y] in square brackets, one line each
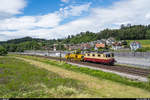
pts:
[135, 45]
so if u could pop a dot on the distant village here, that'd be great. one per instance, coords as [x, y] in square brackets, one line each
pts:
[110, 43]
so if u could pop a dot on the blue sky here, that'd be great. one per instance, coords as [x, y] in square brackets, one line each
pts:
[35, 7]
[41, 7]
[51, 19]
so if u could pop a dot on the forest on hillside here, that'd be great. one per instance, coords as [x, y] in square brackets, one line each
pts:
[125, 32]
[128, 32]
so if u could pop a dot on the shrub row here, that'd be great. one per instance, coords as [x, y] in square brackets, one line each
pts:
[3, 51]
[144, 49]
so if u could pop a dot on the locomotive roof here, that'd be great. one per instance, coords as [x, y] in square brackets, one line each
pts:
[101, 52]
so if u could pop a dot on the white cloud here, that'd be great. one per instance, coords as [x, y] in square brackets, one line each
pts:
[147, 16]
[34, 25]
[132, 11]
[122, 12]
[74, 10]
[65, 1]
[29, 22]
[50, 20]
[11, 7]
[17, 23]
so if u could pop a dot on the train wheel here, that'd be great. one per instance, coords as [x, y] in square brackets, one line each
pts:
[111, 63]
[82, 60]
[104, 63]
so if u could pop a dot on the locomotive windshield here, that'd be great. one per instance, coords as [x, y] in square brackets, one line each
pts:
[108, 55]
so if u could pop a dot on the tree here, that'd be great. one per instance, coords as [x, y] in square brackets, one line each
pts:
[3, 51]
[147, 34]
[128, 25]
[122, 26]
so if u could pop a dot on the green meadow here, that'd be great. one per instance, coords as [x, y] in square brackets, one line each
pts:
[30, 77]
[144, 43]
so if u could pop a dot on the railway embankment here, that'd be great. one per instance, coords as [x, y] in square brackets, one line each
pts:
[27, 76]
[95, 73]
[138, 74]
[133, 77]
[141, 60]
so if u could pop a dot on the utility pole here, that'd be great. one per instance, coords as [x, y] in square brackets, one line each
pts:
[34, 50]
[134, 48]
[48, 50]
[60, 50]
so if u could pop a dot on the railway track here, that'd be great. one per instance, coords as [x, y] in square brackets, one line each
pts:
[123, 69]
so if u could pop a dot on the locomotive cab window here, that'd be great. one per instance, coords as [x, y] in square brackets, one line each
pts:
[112, 54]
[93, 55]
[108, 55]
[88, 54]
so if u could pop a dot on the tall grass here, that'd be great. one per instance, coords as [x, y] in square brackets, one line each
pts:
[96, 73]
[20, 79]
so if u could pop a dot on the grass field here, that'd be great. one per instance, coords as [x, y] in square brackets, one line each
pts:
[145, 43]
[20, 79]
[26, 76]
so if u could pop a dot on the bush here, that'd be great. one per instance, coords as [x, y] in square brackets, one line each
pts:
[144, 49]
[64, 91]
[126, 46]
[3, 51]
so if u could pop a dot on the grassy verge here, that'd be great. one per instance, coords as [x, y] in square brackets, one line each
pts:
[95, 73]
[132, 66]
[21, 79]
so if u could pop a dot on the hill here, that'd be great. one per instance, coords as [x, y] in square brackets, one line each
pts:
[21, 40]
[128, 32]
[83, 37]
